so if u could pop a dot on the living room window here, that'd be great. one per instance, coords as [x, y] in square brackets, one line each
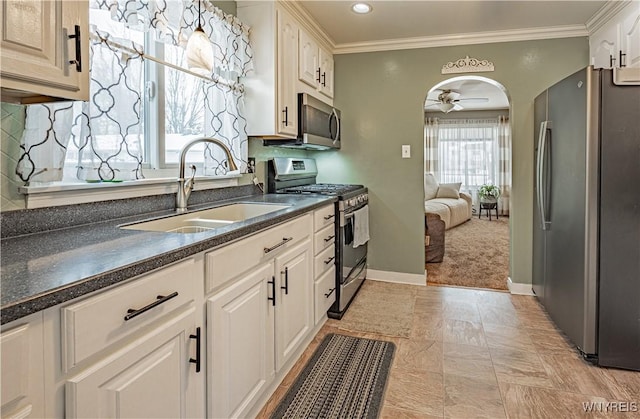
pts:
[471, 151]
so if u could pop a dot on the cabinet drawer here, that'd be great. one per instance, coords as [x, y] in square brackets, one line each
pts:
[93, 324]
[323, 217]
[325, 293]
[228, 262]
[324, 261]
[323, 239]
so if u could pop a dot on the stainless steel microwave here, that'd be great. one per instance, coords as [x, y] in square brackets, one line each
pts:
[318, 126]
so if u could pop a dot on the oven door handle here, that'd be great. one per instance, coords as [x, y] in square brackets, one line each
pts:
[351, 277]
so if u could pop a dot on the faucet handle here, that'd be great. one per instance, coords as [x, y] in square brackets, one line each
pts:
[192, 180]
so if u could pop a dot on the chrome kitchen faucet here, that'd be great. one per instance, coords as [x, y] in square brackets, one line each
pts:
[185, 187]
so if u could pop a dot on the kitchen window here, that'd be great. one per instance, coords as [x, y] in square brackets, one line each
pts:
[141, 113]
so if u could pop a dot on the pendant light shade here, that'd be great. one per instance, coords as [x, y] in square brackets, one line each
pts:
[199, 50]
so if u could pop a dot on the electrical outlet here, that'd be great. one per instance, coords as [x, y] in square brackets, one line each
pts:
[251, 166]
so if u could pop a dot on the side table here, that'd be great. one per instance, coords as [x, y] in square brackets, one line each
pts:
[488, 206]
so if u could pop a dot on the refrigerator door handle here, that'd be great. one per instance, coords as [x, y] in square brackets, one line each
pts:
[545, 127]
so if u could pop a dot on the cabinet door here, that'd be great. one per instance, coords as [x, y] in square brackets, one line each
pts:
[22, 368]
[630, 35]
[308, 60]
[287, 115]
[240, 343]
[36, 48]
[294, 306]
[604, 46]
[326, 73]
[151, 377]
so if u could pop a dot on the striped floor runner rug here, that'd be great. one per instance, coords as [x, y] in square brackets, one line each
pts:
[345, 378]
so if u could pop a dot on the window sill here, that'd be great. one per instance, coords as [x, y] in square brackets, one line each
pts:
[40, 196]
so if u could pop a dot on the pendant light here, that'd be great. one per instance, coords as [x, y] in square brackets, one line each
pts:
[199, 51]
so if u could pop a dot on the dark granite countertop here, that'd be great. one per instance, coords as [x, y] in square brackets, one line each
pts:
[44, 269]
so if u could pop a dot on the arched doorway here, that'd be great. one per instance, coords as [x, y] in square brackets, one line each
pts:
[467, 175]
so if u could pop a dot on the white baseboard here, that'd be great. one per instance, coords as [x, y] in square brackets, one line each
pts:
[399, 277]
[519, 289]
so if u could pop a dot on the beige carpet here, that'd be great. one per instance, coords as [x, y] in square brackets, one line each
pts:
[476, 255]
[381, 307]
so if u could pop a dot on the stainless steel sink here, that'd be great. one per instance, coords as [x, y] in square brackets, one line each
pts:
[199, 221]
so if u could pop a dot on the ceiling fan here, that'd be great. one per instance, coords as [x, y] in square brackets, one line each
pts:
[449, 100]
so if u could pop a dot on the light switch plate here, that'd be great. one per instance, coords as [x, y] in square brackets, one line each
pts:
[406, 151]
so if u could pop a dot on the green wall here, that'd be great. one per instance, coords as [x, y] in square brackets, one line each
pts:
[381, 95]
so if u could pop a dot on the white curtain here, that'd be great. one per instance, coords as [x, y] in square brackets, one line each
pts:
[467, 153]
[173, 21]
[44, 142]
[503, 181]
[431, 145]
[103, 138]
[224, 120]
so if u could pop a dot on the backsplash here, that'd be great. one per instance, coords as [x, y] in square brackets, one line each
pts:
[12, 127]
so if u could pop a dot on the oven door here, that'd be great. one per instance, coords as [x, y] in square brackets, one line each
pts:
[351, 258]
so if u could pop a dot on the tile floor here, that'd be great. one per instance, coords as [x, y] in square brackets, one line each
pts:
[480, 353]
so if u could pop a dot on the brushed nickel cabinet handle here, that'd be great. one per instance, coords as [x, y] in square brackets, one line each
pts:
[160, 299]
[275, 246]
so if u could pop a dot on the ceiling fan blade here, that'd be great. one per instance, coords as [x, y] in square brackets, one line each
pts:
[473, 99]
[432, 100]
[458, 107]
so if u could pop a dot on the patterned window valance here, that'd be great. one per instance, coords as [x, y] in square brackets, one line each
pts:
[173, 21]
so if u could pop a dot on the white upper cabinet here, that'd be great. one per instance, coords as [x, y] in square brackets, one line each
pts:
[326, 73]
[286, 69]
[287, 61]
[271, 101]
[44, 48]
[308, 60]
[617, 43]
[604, 47]
[315, 65]
[630, 32]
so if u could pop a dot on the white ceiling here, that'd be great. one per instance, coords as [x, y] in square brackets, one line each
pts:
[393, 23]
[414, 19]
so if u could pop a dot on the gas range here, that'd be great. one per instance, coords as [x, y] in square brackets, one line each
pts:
[298, 176]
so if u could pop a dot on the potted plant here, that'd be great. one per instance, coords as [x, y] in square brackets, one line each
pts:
[489, 193]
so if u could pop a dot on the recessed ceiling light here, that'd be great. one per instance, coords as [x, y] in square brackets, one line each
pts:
[361, 8]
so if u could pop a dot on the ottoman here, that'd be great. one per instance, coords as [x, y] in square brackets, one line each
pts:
[434, 238]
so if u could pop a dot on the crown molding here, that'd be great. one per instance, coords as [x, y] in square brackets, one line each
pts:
[605, 14]
[309, 23]
[567, 31]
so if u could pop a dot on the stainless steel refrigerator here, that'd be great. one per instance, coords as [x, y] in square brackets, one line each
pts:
[586, 228]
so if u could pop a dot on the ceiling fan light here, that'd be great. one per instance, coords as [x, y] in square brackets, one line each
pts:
[361, 8]
[446, 107]
[199, 53]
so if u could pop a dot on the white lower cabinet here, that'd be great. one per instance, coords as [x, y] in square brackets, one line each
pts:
[294, 305]
[135, 350]
[240, 343]
[324, 266]
[148, 378]
[260, 322]
[22, 368]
